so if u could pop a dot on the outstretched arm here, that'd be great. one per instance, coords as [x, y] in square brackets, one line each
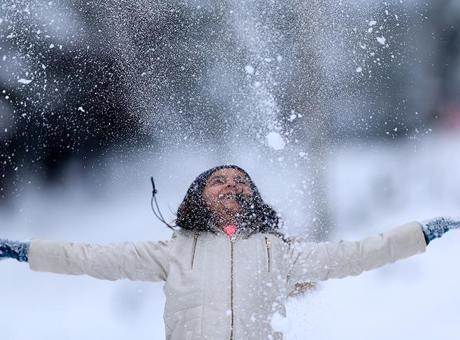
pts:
[328, 260]
[139, 261]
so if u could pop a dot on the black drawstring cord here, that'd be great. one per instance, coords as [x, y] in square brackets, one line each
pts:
[158, 214]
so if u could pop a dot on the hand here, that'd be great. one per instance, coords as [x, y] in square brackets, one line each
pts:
[3, 255]
[436, 227]
[14, 250]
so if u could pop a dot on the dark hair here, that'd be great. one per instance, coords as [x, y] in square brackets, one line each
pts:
[193, 214]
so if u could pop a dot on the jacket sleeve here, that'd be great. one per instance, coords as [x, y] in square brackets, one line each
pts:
[137, 261]
[330, 260]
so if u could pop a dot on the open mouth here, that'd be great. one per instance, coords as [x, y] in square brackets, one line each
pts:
[228, 196]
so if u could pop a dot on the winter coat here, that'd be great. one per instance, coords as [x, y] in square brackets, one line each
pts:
[217, 288]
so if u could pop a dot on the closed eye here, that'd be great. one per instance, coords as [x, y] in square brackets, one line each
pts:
[242, 180]
[217, 180]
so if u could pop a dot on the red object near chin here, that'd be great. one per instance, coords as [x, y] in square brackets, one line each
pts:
[230, 230]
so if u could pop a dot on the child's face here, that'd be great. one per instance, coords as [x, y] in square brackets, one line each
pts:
[224, 190]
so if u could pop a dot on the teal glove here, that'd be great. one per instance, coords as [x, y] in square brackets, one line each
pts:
[14, 250]
[436, 227]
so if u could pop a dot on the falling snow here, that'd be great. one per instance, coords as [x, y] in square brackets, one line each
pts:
[249, 69]
[381, 40]
[322, 100]
[24, 81]
[275, 141]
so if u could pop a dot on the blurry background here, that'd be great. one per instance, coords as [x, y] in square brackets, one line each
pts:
[346, 113]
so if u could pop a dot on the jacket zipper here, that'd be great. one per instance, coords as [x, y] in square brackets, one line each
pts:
[268, 245]
[195, 240]
[232, 319]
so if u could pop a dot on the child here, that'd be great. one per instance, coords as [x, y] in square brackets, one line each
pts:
[227, 268]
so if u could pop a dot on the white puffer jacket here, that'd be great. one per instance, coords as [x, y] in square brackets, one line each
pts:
[217, 288]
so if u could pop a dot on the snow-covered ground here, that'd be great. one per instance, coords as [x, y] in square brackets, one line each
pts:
[372, 187]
